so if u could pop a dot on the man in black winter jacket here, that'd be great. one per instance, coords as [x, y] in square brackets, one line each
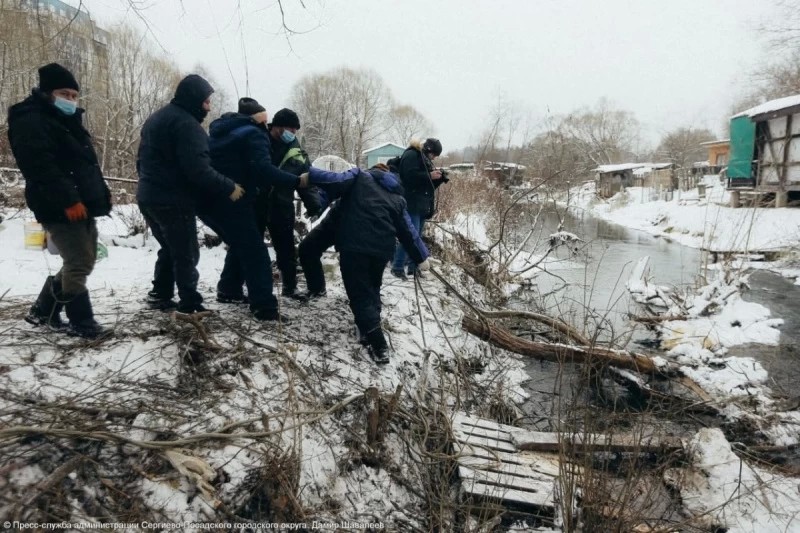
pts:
[240, 148]
[420, 181]
[175, 172]
[363, 227]
[64, 188]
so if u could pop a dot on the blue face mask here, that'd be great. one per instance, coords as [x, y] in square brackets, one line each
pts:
[287, 136]
[65, 106]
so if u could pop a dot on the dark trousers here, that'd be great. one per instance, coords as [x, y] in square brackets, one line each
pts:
[274, 213]
[362, 275]
[311, 249]
[77, 244]
[175, 229]
[247, 253]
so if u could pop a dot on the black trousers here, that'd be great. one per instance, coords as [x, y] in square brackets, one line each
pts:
[311, 249]
[275, 211]
[247, 253]
[175, 229]
[362, 275]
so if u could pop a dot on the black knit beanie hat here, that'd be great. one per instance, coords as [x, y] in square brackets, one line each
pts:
[250, 106]
[53, 76]
[286, 118]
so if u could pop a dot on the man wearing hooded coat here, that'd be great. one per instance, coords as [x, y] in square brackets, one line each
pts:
[64, 188]
[174, 172]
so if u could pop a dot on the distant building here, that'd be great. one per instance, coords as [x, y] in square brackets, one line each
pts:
[765, 151]
[612, 179]
[382, 153]
[656, 176]
[718, 155]
[504, 173]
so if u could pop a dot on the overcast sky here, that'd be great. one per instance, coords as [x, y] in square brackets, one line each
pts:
[671, 62]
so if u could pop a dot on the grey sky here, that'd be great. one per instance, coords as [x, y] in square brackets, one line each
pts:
[671, 62]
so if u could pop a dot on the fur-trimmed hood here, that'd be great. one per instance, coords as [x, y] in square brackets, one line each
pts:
[415, 144]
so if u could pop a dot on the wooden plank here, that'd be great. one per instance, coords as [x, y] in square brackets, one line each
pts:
[508, 481]
[478, 441]
[536, 469]
[520, 497]
[549, 442]
[469, 420]
[481, 432]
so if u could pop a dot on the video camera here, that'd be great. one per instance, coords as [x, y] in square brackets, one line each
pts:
[445, 174]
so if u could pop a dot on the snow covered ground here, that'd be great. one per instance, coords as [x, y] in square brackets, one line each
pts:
[300, 386]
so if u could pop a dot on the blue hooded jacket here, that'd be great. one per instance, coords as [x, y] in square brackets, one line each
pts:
[240, 149]
[372, 212]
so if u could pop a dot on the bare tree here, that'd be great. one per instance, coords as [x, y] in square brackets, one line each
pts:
[603, 134]
[407, 123]
[682, 146]
[343, 111]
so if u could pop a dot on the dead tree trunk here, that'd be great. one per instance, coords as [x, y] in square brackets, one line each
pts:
[503, 338]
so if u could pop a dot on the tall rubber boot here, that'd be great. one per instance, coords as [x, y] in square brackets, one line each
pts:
[46, 311]
[378, 348]
[81, 318]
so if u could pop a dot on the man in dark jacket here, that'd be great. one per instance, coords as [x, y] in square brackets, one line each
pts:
[174, 173]
[370, 215]
[275, 205]
[64, 188]
[420, 181]
[240, 148]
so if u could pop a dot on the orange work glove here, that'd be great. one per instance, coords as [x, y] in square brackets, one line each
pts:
[76, 212]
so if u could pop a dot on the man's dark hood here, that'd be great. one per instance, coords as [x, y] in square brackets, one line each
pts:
[231, 121]
[192, 91]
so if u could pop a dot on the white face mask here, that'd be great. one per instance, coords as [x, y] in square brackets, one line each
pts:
[67, 107]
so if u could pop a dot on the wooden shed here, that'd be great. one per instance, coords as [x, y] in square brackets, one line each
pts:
[504, 173]
[765, 150]
[382, 153]
[656, 175]
[612, 179]
[718, 154]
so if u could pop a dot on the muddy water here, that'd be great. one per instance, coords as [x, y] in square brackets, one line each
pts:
[587, 288]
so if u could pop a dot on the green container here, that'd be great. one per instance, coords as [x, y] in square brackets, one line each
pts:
[743, 142]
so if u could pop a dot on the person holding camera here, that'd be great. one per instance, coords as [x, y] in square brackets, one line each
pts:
[420, 180]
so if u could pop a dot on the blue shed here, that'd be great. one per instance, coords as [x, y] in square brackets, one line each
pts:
[382, 153]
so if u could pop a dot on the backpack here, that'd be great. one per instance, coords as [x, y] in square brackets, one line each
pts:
[293, 153]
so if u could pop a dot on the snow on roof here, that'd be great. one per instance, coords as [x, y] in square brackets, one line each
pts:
[604, 169]
[498, 165]
[772, 105]
[381, 146]
[718, 141]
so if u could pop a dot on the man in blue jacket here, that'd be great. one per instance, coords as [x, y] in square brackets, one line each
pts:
[240, 148]
[367, 219]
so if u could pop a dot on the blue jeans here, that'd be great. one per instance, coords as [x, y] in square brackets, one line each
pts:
[401, 258]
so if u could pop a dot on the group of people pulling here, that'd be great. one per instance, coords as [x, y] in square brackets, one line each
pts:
[239, 179]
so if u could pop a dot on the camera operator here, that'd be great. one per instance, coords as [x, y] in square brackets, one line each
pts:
[420, 180]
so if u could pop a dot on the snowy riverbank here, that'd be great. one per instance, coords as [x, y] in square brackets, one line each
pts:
[707, 223]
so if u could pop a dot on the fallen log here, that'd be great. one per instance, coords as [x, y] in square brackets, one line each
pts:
[503, 338]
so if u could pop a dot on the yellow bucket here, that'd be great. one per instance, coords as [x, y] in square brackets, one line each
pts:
[34, 236]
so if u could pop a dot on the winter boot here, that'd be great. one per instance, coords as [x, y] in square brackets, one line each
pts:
[81, 318]
[46, 311]
[378, 348]
[231, 298]
[399, 274]
[190, 308]
[270, 315]
[313, 295]
[294, 294]
[160, 302]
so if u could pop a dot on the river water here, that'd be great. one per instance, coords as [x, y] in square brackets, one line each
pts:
[587, 289]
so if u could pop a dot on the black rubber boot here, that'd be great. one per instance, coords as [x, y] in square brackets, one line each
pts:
[313, 295]
[272, 315]
[232, 298]
[294, 294]
[399, 274]
[46, 311]
[378, 348]
[81, 318]
[160, 302]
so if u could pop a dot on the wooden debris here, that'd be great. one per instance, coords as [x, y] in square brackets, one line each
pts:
[503, 338]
